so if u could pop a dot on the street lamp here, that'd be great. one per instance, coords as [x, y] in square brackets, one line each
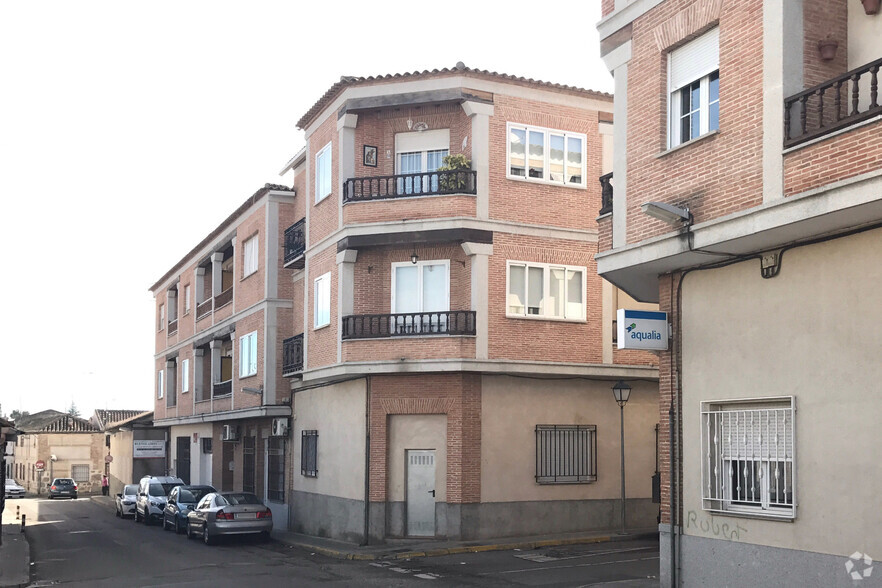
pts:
[622, 392]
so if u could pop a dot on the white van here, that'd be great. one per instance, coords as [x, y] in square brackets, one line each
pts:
[152, 495]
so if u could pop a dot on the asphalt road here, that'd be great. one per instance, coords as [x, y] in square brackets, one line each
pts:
[82, 543]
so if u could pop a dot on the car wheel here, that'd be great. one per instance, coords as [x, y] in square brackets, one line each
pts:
[50, 497]
[74, 496]
[178, 528]
[206, 537]
[164, 523]
[265, 536]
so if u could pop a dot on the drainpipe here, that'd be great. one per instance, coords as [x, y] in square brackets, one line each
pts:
[367, 460]
[671, 494]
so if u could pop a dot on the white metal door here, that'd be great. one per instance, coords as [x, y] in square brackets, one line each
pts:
[421, 493]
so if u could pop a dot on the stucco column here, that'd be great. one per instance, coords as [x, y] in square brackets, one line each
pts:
[345, 155]
[345, 292]
[198, 374]
[480, 114]
[200, 286]
[217, 259]
[617, 63]
[479, 255]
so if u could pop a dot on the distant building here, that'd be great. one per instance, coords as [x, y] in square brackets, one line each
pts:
[136, 447]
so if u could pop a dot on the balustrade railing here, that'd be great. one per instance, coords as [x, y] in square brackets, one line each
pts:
[833, 105]
[222, 388]
[292, 355]
[172, 327]
[410, 185]
[606, 193]
[409, 324]
[295, 241]
[223, 298]
[204, 308]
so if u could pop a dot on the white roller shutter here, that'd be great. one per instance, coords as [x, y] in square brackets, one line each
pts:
[694, 60]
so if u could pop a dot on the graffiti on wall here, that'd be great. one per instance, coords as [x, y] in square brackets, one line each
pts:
[732, 532]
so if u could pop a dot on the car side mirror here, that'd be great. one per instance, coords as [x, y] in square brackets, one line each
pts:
[119, 495]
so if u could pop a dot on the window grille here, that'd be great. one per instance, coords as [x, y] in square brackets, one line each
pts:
[248, 464]
[309, 453]
[748, 457]
[80, 473]
[566, 454]
[276, 469]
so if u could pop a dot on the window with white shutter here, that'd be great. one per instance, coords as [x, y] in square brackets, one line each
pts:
[323, 173]
[694, 88]
[248, 355]
[249, 262]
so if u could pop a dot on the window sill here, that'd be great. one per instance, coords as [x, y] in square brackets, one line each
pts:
[322, 199]
[320, 327]
[748, 514]
[546, 318]
[545, 182]
[243, 278]
[245, 377]
[688, 143]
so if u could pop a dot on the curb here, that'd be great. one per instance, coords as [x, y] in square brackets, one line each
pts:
[349, 555]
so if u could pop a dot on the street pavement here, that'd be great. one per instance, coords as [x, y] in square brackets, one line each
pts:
[82, 543]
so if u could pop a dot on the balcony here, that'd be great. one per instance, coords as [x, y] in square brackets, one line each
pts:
[436, 183]
[836, 104]
[606, 194]
[409, 324]
[292, 355]
[223, 298]
[222, 388]
[204, 308]
[295, 244]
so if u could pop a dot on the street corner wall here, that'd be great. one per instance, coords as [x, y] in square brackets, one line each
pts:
[511, 409]
[811, 333]
[332, 503]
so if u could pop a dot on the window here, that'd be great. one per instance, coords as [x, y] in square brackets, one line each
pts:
[185, 375]
[323, 173]
[694, 87]
[747, 450]
[79, 472]
[276, 469]
[421, 287]
[206, 444]
[546, 155]
[322, 301]
[566, 454]
[309, 454]
[546, 291]
[249, 261]
[420, 152]
[159, 388]
[187, 299]
[161, 317]
[248, 355]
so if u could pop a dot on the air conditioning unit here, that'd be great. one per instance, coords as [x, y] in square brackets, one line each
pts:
[231, 433]
[280, 427]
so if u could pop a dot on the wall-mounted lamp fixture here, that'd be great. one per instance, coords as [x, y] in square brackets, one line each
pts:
[414, 257]
[409, 124]
[667, 212]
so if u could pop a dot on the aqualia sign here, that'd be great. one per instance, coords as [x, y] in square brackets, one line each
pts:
[642, 329]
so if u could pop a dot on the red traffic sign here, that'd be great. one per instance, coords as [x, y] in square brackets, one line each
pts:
[40, 465]
[108, 458]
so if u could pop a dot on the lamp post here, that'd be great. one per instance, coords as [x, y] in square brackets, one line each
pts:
[622, 392]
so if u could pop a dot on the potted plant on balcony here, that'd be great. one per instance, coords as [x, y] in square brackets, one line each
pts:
[454, 182]
[827, 47]
[871, 6]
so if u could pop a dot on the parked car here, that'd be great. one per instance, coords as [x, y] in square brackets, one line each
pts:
[125, 500]
[63, 487]
[13, 489]
[152, 495]
[231, 513]
[174, 515]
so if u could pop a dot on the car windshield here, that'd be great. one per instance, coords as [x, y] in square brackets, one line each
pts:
[242, 498]
[193, 494]
[161, 489]
[63, 481]
[132, 490]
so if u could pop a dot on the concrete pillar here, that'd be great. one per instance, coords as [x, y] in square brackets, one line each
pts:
[198, 374]
[479, 254]
[200, 285]
[480, 114]
[217, 259]
[345, 155]
[345, 292]
[617, 63]
[215, 346]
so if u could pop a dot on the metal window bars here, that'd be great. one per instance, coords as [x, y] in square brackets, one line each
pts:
[309, 453]
[566, 454]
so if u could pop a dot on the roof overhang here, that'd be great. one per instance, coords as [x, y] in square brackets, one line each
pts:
[833, 209]
[298, 159]
[418, 237]
[256, 412]
[441, 96]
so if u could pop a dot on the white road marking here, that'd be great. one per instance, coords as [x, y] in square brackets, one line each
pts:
[78, 532]
[427, 576]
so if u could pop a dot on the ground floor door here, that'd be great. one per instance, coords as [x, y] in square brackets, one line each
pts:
[248, 465]
[182, 459]
[420, 474]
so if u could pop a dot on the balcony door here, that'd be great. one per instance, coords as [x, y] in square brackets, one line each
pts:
[420, 153]
[421, 291]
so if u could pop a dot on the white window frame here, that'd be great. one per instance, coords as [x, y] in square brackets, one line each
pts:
[420, 264]
[750, 419]
[160, 385]
[161, 317]
[250, 256]
[702, 75]
[248, 354]
[567, 135]
[185, 376]
[322, 191]
[321, 300]
[546, 274]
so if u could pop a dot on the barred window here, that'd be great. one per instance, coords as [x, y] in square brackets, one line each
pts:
[748, 457]
[80, 472]
[309, 453]
[248, 464]
[276, 469]
[566, 454]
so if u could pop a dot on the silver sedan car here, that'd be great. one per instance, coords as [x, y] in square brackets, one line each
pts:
[125, 500]
[230, 513]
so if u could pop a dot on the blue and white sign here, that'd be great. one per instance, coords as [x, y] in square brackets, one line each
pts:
[642, 329]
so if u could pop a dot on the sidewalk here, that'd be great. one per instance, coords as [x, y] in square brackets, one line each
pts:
[15, 553]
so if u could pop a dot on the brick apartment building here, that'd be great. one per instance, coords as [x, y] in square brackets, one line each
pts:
[457, 342]
[222, 314]
[747, 201]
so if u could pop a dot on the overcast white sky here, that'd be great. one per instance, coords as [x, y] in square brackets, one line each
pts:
[129, 130]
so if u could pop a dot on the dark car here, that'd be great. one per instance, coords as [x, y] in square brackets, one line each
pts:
[63, 487]
[232, 513]
[174, 515]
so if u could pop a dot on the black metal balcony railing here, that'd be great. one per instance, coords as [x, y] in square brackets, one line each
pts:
[223, 298]
[409, 324]
[823, 109]
[295, 241]
[292, 355]
[606, 193]
[172, 327]
[204, 308]
[222, 388]
[410, 185]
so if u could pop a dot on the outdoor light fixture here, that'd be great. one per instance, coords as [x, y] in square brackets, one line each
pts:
[667, 212]
[414, 257]
[622, 392]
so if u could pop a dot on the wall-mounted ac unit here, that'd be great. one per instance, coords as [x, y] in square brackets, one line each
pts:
[280, 427]
[231, 433]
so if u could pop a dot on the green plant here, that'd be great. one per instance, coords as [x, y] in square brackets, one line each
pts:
[454, 182]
